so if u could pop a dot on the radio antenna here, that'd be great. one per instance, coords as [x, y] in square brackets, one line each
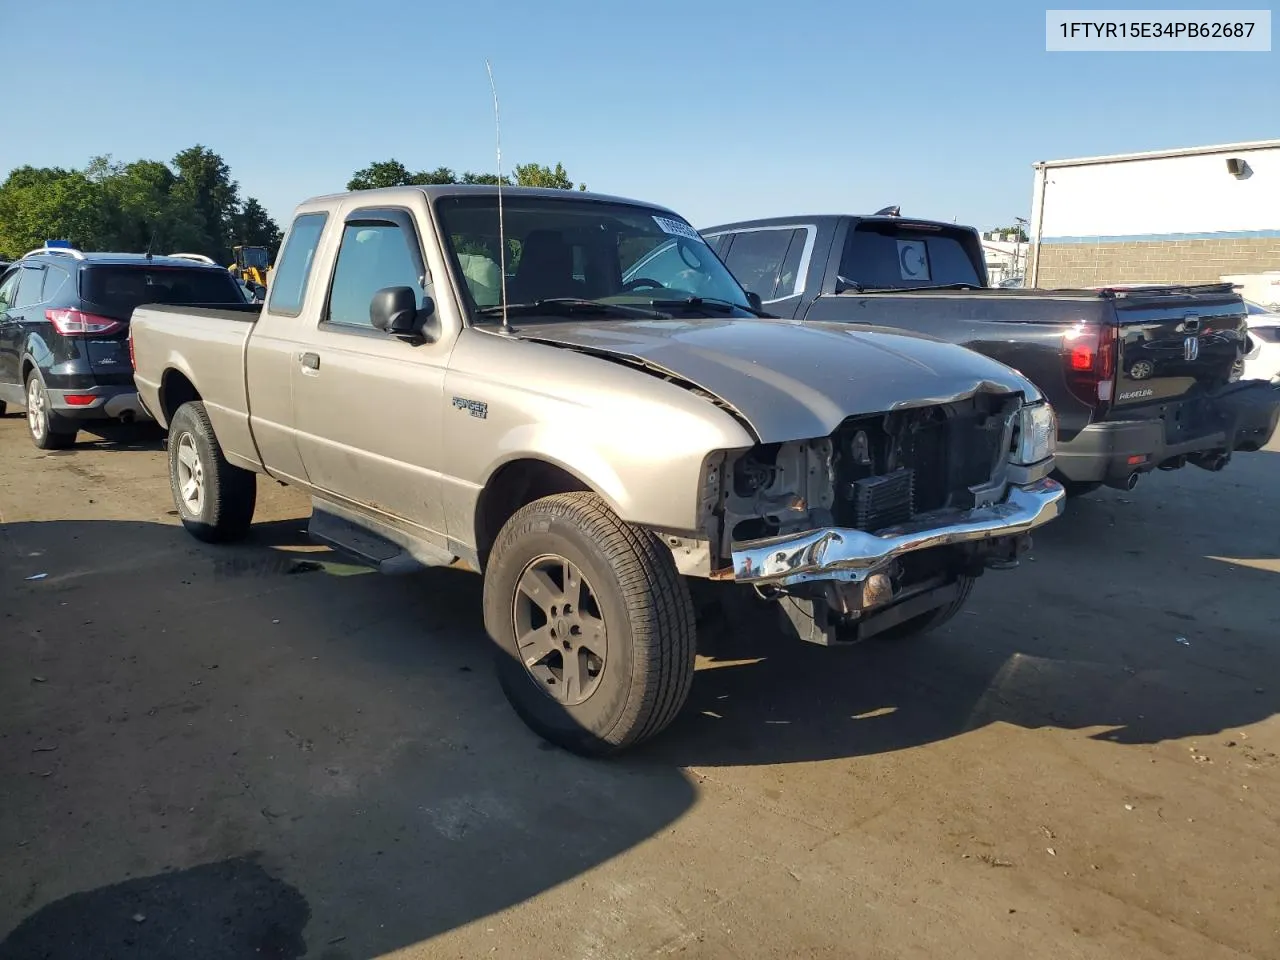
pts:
[502, 235]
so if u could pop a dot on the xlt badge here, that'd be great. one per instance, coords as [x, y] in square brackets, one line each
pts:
[476, 407]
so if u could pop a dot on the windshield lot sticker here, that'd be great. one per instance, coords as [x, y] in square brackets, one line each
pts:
[678, 229]
[913, 260]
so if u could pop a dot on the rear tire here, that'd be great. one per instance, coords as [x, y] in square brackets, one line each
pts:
[566, 576]
[48, 430]
[215, 500]
[926, 622]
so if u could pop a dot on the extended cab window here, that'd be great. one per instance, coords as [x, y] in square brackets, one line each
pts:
[766, 261]
[887, 255]
[372, 256]
[289, 279]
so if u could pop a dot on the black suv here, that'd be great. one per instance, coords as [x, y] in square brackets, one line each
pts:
[64, 327]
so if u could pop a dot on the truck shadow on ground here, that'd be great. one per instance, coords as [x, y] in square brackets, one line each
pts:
[324, 764]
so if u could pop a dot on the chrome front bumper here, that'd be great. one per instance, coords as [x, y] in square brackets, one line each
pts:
[840, 553]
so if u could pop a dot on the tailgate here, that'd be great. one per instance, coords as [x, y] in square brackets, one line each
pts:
[1176, 341]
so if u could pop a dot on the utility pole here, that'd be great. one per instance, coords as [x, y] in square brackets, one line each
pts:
[1024, 227]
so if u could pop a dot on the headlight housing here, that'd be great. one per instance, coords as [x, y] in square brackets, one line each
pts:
[1035, 434]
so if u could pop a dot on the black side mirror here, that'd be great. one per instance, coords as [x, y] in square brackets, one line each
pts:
[395, 310]
[754, 299]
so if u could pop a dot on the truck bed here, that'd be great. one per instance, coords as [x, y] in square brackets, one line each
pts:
[1029, 329]
[197, 344]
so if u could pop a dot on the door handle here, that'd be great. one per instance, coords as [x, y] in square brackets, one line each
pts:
[310, 361]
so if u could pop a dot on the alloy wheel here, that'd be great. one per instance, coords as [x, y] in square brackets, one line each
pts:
[190, 475]
[560, 629]
[37, 410]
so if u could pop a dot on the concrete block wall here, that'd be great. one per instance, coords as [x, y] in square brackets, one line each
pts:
[1155, 261]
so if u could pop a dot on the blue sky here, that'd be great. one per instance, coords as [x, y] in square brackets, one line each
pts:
[719, 110]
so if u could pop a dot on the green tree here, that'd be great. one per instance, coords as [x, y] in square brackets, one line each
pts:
[205, 188]
[440, 175]
[536, 175]
[1019, 234]
[193, 206]
[393, 173]
[252, 226]
[41, 203]
[489, 179]
[384, 173]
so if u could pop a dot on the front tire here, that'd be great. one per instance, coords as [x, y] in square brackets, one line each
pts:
[48, 430]
[215, 500]
[594, 625]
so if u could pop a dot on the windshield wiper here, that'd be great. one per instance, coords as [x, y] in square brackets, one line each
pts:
[572, 306]
[714, 303]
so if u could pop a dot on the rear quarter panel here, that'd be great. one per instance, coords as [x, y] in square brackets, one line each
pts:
[206, 347]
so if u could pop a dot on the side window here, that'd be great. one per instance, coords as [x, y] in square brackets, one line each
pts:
[289, 279]
[372, 256]
[28, 287]
[789, 278]
[55, 279]
[9, 289]
[755, 259]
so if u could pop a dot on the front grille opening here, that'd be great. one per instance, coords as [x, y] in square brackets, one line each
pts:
[894, 466]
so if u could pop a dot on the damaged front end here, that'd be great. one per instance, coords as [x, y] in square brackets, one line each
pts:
[885, 520]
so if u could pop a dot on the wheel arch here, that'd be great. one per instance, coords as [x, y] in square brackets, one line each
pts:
[515, 484]
[176, 389]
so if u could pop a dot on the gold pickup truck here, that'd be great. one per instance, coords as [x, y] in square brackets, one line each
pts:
[570, 394]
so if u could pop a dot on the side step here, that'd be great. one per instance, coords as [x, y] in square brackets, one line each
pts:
[367, 541]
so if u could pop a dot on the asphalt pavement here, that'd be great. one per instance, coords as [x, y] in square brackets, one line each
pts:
[261, 750]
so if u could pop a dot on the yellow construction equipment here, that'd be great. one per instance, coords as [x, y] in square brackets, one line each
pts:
[252, 264]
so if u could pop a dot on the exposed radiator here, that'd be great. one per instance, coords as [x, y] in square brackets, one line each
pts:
[883, 501]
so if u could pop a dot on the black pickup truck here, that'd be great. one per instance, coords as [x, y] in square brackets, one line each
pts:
[1141, 377]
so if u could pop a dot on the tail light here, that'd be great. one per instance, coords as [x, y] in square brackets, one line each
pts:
[1089, 354]
[71, 323]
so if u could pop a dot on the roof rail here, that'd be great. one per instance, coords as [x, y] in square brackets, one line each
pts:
[66, 251]
[200, 257]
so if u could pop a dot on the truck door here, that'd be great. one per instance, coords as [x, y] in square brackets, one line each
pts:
[271, 354]
[366, 405]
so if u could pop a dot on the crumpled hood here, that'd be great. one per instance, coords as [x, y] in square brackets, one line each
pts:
[792, 381]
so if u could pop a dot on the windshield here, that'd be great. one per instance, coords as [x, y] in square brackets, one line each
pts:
[611, 254]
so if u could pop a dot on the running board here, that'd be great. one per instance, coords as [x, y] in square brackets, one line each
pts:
[370, 542]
